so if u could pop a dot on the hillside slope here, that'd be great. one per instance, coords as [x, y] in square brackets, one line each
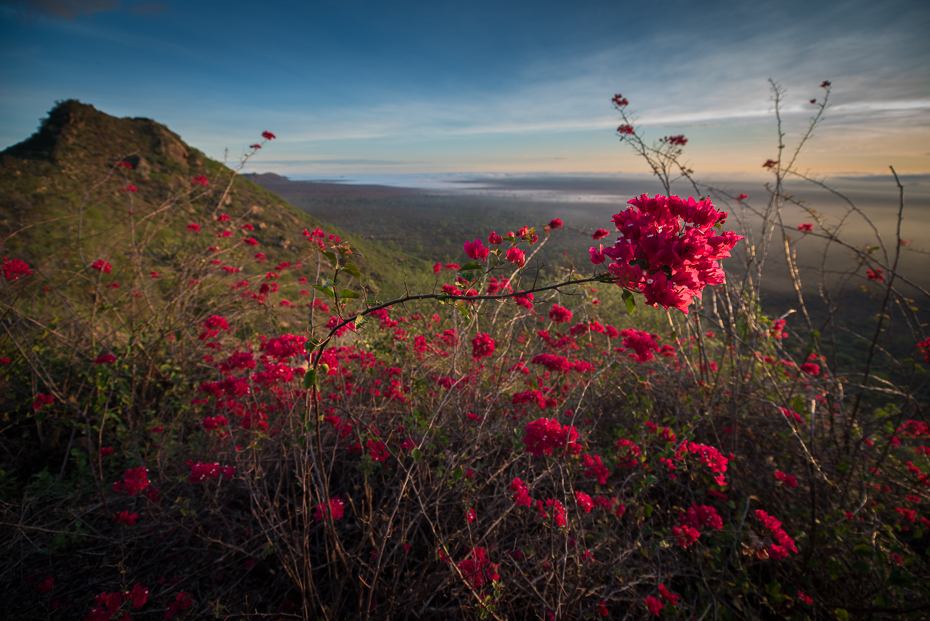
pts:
[62, 196]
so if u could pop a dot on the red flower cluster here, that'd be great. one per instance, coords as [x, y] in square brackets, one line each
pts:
[924, 348]
[193, 228]
[620, 101]
[336, 508]
[268, 135]
[255, 146]
[788, 479]
[600, 234]
[654, 605]
[554, 224]
[625, 130]
[476, 250]
[742, 197]
[105, 359]
[134, 481]
[667, 595]
[101, 266]
[213, 325]
[691, 521]
[544, 436]
[107, 605]
[558, 511]
[126, 518]
[46, 585]
[560, 314]
[780, 550]
[668, 249]
[477, 569]
[875, 275]
[770, 164]
[41, 400]
[183, 601]
[482, 346]
[14, 268]
[806, 228]
[516, 256]
[777, 331]
[521, 493]
[709, 456]
[202, 471]
[678, 141]
[129, 188]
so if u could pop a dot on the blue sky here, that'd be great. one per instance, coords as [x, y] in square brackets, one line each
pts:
[353, 86]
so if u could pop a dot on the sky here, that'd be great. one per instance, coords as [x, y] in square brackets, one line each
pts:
[374, 87]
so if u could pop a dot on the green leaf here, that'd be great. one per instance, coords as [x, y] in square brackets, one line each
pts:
[348, 293]
[649, 509]
[416, 454]
[474, 265]
[331, 256]
[309, 379]
[630, 301]
[841, 614]
[457, 474]
[360, 320]
[864, 549]
[349, 267]
[326, 291]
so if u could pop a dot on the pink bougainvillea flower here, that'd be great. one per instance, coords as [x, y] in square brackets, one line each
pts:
[600, 234]
[555, 224]
[105, 359]
[878, 275]
[183, 601]
[134, 481]
[476, 250]
[620, 101]
[201, 179]
[742, 197]
[806, 228]
[267, 135]
[336, 509]
[482, 346]
[625, 130]
[654, 605]
[494, 239]
[255, 146]
[101, 266]
[560, 314]
[126, 518]
[516, 256]
[668, 596]
[41, 400]
[46, 585]
[193, 228]
[14, 268]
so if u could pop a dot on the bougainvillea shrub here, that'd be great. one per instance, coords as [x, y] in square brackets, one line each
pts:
[635, 440]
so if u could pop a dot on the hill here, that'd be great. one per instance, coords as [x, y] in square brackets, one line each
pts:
[62, 194]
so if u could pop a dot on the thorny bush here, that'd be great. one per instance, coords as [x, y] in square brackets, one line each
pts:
[495, 448]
